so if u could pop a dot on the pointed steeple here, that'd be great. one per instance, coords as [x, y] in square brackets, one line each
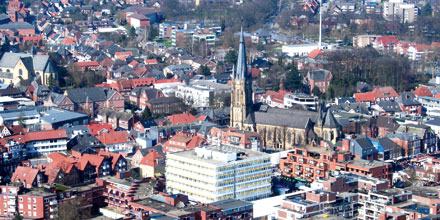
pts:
[241, 71]
[330, 120]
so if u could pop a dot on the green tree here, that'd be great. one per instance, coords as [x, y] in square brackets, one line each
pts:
[18, 217]
[21, 120]
[51, 81]
[146, 115]
[426, 10]
[132, 32]
[231, 57]
[204, 70]
[293, 80]
[317, 92]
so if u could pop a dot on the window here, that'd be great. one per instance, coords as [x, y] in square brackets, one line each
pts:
[20, 72]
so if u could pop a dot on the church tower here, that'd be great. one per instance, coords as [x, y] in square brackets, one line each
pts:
[241, 94]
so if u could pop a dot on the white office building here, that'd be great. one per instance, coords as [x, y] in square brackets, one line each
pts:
[214, 173]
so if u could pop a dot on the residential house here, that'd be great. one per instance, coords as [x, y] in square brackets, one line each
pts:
[60, 101]
[409, 104]
[363, 148]
[141, 95]
[118, 162]
[234, 137]
[182, 141]
[91, 100]
[152, 164]
[378, 94]
[116, 141]
[318, 78]
[28, 176]
[117, 119]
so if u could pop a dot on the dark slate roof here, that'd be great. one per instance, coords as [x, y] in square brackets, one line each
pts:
[386, 122]
[387, 143]
[389, 106]
[17, 25]
[83, 141]
[10, 91]
[361, 108]
[283, 117]
[158, 149]
[260, 63]
[330, 121]
[434, 122]
[94, 94]
[150, 92]
[319, 75]
[56, 98]
[407, 99]
[364, 143]
[148, 123]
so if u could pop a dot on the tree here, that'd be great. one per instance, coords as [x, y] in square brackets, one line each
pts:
[74, 209]
[132, 32]
[426, 10]
[231, 57]
[146, 114]
[316, 91]
[21, 120]
[204, 70]
[18, 217]
[51, 81]
[293, 79]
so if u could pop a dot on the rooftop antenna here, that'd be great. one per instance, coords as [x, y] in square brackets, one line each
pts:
[320, 25]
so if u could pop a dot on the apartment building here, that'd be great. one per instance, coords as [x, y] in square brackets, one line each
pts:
[208, 38]
[46, 142]
[30, 204]
[308, 164]
[214, 173]
[400, 10]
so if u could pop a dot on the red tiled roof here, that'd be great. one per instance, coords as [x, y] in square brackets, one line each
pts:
[22, 174]
[167, 80]
[315, 53]
[95, 129]
[423, 91]
[52, 173]
[151, 158]
[45, 135]
[95, 160]
[277, 96]
[255, 72]
[123, 53]
[183, 118]
[150, 61]
[382, 92]
[115, 156]
[387, 40]
[435, 44]
[181, 141]
[56, 156]
[68, 40]
[115, 137]
[133, 63]
[65, 166]
[86, 63]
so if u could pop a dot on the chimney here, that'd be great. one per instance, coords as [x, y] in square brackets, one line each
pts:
[346, 145]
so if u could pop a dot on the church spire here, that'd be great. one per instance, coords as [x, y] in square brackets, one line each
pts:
[242, 71]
